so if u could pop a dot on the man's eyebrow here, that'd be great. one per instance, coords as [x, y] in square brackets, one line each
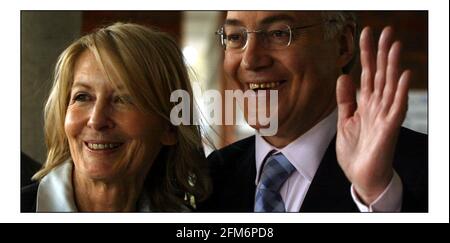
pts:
[234, 22]
[275, 18]
[266, 21]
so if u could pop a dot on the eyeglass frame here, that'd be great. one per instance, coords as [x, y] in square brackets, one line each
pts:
[221, 33]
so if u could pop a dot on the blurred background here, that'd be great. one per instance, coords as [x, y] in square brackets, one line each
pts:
[45, 34]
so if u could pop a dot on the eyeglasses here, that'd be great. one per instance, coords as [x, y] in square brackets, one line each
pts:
[277, 36]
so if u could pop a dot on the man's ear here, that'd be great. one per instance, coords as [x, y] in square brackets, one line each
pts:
[347, 45]
[169, 137]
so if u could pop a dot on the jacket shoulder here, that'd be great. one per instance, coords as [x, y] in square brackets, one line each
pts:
[231, 154]
[238, 147]
[233, 171]
[411, 163]
[412, 150]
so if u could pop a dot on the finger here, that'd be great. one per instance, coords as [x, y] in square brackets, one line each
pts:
[346, 98]
[392, 75]
[400, 104]
[368, 64]
[384, 45]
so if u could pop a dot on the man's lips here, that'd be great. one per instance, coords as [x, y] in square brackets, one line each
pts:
[261, 85]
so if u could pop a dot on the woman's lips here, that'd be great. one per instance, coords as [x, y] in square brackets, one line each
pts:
[102, 146]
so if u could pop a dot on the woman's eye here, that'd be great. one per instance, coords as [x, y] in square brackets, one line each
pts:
[81, 97]
[119, 100]
[124, 99]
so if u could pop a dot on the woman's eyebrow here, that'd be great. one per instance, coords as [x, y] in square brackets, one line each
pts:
[85, 84]
[81, 84]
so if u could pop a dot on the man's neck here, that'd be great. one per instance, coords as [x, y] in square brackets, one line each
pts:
[287, 135]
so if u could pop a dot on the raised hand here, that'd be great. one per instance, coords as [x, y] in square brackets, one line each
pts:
[367, 131]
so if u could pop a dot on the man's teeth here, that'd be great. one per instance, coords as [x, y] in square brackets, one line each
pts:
[99, 146]
[268, 85]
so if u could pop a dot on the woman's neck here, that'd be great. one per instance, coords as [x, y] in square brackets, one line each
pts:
[100, 196]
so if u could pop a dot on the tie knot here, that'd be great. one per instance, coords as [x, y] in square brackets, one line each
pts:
[275, 172]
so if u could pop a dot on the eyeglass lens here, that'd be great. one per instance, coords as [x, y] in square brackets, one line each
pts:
[273, 36]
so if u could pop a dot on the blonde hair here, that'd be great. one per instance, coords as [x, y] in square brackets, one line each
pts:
[149, 65]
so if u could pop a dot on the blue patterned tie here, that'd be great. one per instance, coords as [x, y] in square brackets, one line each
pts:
[275, 172]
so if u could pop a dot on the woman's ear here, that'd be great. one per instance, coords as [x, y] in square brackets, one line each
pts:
[347, 44]
[169, 137]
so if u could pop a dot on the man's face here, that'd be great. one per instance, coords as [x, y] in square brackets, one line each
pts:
[304, 73]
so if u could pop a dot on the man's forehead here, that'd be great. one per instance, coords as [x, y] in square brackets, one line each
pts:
[256, 18]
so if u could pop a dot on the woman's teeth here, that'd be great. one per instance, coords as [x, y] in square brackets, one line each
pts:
[100, 146]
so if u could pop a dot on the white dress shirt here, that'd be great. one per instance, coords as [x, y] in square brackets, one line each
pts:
[55, 192]
[305, 153]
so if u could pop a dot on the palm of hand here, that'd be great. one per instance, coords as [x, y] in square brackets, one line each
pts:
[367, 131]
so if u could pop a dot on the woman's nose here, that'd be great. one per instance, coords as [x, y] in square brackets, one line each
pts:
[100, 117]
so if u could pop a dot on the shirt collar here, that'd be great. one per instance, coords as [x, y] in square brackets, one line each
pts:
[55, 192]
[305, 152]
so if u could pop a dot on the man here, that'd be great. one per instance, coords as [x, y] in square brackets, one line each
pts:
[329, 154]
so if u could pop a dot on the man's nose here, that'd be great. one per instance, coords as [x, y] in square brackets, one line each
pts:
[100, 117]
[255, 55]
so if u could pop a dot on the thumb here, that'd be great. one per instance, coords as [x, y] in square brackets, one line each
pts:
[346, 97]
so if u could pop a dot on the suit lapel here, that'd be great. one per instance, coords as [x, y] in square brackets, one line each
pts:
[235, 180]
[247, 186]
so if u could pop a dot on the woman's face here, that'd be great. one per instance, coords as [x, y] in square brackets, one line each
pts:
[109, 138]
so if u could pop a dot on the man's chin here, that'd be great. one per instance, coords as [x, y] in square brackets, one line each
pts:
[264, 130]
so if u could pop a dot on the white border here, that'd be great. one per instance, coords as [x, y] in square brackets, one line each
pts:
[438, 109]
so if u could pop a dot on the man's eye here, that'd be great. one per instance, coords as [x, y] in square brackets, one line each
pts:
[234, 37]
[278, 33]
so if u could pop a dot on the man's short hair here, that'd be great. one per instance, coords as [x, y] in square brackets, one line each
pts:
[336, 21]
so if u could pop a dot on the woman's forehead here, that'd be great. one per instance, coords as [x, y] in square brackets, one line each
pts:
[87, 69]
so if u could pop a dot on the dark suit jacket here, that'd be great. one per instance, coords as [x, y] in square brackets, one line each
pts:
[28, 198]
[233, 172]
[28, 167]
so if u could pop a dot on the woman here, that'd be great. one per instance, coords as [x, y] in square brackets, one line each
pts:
[111, 146]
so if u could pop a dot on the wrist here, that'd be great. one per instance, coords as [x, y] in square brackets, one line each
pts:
[368, 194]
